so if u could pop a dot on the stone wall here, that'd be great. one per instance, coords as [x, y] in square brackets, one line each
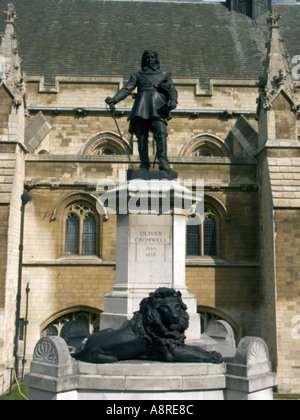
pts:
[71, 131]
[11, 190]
[241, 283]
[288, 291]
[286, 121]
[227, 285]
[268, 270]
[4, 213]
[5, 105]
[58, 282]
[231, 291]
[64, 286]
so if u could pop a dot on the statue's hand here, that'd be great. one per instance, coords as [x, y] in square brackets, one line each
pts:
[111, 102]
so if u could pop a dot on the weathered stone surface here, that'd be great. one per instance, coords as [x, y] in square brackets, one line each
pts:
[250, 370]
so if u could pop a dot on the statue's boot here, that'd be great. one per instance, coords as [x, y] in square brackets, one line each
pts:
[161, 144]
[143, 151]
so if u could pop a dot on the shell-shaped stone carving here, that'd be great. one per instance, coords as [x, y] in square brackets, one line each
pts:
[46, 352]
[258, 352]
[251, 350]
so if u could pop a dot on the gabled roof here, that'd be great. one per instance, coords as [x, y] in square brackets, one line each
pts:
[197, 40]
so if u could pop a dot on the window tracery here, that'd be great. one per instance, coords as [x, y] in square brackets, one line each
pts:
[106, 144]
[205, 232]
[205, 145]
[81, 230]
[202, 236]
[54, 327]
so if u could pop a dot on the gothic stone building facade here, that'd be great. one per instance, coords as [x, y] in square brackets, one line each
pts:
[236, 69]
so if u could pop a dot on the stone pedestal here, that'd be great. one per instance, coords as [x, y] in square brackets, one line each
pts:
[249, 374]
[54, 375]
[151, 247]
[133, 174]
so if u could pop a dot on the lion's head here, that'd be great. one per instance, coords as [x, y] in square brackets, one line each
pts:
[162, 318]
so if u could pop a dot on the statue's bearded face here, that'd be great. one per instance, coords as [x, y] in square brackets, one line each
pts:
[150, 60]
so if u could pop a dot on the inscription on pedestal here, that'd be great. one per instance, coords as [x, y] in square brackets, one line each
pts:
[151, 253]
[150, 242]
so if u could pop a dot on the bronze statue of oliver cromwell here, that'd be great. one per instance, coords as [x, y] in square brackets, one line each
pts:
[156, 97]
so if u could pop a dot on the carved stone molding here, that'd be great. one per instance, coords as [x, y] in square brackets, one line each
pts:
[10, 14]
[251, 350]
[46, 352]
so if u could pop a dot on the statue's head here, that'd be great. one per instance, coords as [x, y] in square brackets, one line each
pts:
[150, 60]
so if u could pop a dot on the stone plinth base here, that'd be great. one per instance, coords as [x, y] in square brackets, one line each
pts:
[150, 175]
[137, 380]
[55, 375]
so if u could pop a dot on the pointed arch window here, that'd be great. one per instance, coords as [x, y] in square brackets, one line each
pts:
[89, 235]
[205, 146]
[106, 143]
[210, 236]
[202, 237]
[72, 235]
[81, 230]
[91, 318]
[193, 244]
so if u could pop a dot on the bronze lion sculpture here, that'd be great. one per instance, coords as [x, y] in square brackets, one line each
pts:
[156, 332]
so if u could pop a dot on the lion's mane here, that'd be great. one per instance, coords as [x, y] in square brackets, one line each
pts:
[147, 323]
